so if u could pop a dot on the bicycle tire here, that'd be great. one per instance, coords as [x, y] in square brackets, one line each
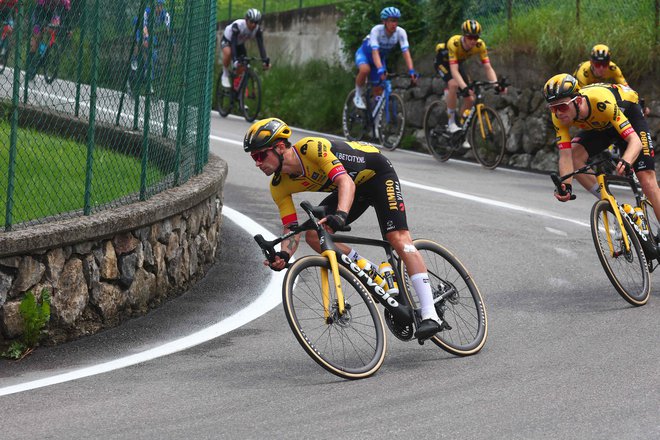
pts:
[51, 62]
[490, 147]
[652, 220]
[392, 122]
[352, 346]
[4, 44]
[437, 138]
[464, 310]
[250, 96]
[354, 121]
[628, 271]
[223, 98]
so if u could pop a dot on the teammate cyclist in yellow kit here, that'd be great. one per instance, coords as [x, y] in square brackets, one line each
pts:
[604, 114]
[357, 176]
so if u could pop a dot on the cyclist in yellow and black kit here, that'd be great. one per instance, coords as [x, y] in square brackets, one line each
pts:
[449, 64]
[601, 69]
[605, 114]
[357, 176]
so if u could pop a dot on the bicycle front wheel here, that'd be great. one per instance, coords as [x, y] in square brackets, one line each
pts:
[51, 62]
[250, 96]
[487, 136]
[350, 345]
[458, 300]
[354, 121]
[392, 122]
[4, 54]
[627, 270]
[437, 138]
[223, 98]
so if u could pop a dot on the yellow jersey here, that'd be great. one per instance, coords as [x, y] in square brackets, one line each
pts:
[585, 75]
[604, 102]
[458, 54]
[322, 161]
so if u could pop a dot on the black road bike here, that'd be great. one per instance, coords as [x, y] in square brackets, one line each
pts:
[245, 90]
[330, 303]
[482, 127]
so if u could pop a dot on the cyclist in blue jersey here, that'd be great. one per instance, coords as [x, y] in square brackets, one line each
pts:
[160, 29]
[370, 57]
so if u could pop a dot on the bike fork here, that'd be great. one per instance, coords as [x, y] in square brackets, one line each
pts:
[325, 283]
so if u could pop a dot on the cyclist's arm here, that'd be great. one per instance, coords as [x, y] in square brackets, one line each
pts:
[234, 41]
[375, 54]
[490, 72]
[290, 245]
[633, 149]
[260, 44]
[408, 59]
[346, 193]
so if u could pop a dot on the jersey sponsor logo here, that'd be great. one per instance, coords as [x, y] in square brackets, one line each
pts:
[315, 176]
[336, 162]
[625, 124]
[601, 106]
[322, 151]
[276, 180]
[349, 157]
[625, 133]
[303, 149]
[394, 198]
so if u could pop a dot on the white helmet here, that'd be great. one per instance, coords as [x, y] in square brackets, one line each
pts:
[253, 15]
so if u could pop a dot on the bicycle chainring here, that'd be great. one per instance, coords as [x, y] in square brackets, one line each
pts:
[404, 332]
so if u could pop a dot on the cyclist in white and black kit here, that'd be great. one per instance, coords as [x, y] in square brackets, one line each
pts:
[233, 42]
[370, 57]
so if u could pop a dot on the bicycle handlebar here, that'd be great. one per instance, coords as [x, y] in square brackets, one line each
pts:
[603, 157]
[314, 212]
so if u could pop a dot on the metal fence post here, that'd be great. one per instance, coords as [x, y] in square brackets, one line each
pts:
[83, 28]
[13, 137]
[183, 105]
[147, 105]
[91, 127]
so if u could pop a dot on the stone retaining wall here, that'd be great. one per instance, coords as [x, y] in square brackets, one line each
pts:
[104, 268]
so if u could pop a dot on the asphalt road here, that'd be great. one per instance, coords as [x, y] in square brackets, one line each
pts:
[566, 357]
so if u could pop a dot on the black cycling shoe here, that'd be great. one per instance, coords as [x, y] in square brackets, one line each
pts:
[429, 327]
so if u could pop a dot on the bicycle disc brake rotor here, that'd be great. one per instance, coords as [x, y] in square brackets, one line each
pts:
[403, 332]
[340, 320]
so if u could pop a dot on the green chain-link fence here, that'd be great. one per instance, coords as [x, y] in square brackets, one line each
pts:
[233, 9]
[103, 103]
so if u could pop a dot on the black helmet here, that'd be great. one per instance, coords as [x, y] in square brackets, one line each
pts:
[264, 133]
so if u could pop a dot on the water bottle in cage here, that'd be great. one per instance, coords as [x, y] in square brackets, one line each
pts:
[386, 271]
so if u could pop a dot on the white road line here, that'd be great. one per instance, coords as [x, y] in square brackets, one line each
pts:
[268, 300]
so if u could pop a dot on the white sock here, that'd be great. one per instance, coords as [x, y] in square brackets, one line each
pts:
[353, 255]
[359, 90]
[452, 115]
[225, 71]
[420, 282]
[595, 190]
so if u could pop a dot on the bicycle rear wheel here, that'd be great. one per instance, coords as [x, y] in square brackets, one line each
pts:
[354, 120]
[487, 136]
[627, 270]
[250, 96]
[461, 304]
[51, 62]
[437, 138]
[351, 345]
[4, 54]
[392, 122]
[223, 98]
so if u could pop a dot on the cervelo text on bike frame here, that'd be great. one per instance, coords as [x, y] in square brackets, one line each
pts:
[366, 279]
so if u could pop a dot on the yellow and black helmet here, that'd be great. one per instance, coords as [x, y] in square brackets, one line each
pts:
[560, 86]
[265, 133]
[600, 53]
[471, 27]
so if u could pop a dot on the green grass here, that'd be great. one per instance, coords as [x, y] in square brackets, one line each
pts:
[238, 7]
[551, 32]
[50, 175]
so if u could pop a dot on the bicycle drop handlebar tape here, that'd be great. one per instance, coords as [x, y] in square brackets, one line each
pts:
[557, 181]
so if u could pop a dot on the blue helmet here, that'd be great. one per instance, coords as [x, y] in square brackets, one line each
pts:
[390, 12]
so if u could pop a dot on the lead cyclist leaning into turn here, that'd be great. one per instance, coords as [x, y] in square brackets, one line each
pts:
[605, 114]
[357, 176]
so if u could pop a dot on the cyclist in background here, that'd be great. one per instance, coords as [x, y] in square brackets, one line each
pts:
[600, 69]
[449, 64]
[605, 114]
[7, 11]
[233, 42]
[357, 176]
[370, 56]
[160, 29]
[46, 13]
